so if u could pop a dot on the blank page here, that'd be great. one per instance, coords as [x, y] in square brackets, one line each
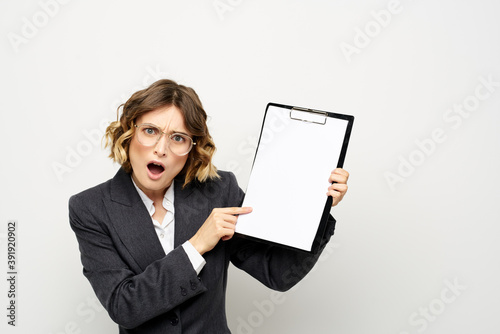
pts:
[289, 179]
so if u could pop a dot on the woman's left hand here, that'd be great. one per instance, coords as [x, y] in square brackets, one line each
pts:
[338, 189]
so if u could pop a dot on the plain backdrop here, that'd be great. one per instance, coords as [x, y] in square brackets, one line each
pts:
[417, 241]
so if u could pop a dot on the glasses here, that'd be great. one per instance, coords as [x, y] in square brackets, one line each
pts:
[149, 135]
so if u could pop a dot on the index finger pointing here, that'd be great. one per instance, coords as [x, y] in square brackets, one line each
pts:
[236, 210]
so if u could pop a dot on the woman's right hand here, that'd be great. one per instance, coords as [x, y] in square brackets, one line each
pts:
[219, 225]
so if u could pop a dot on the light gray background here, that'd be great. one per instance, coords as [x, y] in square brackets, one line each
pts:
[397, 250]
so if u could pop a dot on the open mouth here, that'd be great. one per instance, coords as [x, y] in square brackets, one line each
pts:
[155, 169]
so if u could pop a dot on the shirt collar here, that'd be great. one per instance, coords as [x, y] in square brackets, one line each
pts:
[168, 199]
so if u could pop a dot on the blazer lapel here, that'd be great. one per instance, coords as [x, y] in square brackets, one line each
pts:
[191, 210]
[132, 221]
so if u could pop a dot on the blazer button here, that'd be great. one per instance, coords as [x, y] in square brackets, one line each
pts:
[183, 291]
[193, 285]
[174, 321]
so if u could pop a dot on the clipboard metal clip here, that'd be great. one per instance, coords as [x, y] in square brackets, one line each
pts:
[319, 117]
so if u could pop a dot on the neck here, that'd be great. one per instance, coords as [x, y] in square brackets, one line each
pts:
[155, 195]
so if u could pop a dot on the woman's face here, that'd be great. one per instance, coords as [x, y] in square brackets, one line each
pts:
[154, 167]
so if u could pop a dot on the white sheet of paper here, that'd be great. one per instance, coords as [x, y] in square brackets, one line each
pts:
[289, 179]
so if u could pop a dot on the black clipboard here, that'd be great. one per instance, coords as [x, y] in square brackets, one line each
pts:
[296, 145]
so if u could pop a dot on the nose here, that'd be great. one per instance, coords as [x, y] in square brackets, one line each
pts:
[162, 146]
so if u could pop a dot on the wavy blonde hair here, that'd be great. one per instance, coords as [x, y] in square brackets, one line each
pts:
[163, 93]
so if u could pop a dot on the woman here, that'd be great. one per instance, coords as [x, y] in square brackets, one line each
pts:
[157, 239]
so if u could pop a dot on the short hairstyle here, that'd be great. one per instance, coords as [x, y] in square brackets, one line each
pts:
[164, 93]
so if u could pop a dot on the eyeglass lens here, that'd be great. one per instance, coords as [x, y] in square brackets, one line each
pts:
[178, 143]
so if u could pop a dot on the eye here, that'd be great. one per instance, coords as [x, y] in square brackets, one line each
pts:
[178, 139]
[150, 131]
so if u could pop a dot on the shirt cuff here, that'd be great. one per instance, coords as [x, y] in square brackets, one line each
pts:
[196, 259]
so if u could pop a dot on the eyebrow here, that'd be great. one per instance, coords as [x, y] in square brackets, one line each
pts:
[182, 133]
[170, 132]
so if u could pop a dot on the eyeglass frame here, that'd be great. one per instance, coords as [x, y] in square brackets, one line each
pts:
[193, 143]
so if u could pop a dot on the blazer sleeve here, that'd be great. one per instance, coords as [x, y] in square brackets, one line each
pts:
[130, 296]
[277, 267]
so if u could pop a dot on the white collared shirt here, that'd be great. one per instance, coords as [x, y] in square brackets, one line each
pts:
[166, 229]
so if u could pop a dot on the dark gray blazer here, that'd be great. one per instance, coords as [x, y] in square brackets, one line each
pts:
[146, 291]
